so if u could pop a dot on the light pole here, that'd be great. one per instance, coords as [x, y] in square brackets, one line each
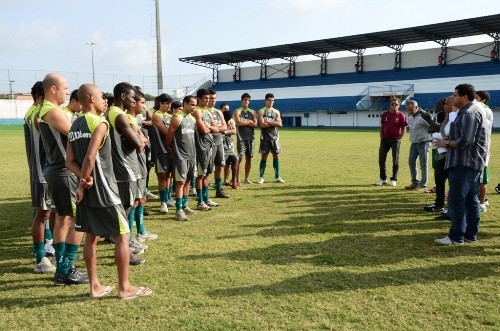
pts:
[91, 43]
[10, 86]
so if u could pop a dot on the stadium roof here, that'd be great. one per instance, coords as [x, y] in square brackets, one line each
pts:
[439, 32]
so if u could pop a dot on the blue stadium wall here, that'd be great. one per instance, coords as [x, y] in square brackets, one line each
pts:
[337, 93]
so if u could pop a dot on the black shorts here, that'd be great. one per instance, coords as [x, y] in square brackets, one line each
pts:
[101, 221]
[267, 146]
[218, 155]
[245, 147]
[127, 192]
[231, 159]
[63, 193]
[40, 196]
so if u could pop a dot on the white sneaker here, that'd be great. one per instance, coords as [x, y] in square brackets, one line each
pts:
[136, 243]
[49, 249]
[171, 202]
[381, 182]
[447, 241]
[189, 211]
[44, 267]
[392, 183]
[202, 206]
[260, 181]
[483, 208]
[146, 236]
[211, 203]
[150, 195]
[163, 208]
[180, 216]
[279, 180]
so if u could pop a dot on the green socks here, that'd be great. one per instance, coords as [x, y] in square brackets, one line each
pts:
[218, 185]
[276, 166]
[204, 193]
[67, 259]
[178, 203]
[262, 168]
[163, 195]
[39, 251]
[131, 220]
[59, 252]
[139, 219]
[199, 195]
[48, 233]
[184, 201]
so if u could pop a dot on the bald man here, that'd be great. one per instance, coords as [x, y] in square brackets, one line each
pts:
[54, 127]
[99, 212]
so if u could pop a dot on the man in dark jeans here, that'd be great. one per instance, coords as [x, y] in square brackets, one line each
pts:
[467, 149]
[392, 128]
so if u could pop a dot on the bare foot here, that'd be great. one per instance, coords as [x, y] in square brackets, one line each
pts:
[101, 291]
[134, 292]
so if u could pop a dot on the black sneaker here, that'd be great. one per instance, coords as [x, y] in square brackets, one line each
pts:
[134, 260]
[145, 212]
[433, 208]
[74, 277]
[110, 239]
[221, 194]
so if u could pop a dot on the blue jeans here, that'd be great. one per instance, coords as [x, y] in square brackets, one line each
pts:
[463, 203]
[420, 151]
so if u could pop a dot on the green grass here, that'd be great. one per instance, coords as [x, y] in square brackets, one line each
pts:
[327, 250]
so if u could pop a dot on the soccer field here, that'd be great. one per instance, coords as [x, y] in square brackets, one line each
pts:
[326, 250]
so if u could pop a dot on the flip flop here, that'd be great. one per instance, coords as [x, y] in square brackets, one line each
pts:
[105, 292]
[141, 292]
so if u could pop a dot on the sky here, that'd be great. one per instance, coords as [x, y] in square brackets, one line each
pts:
[41, 36]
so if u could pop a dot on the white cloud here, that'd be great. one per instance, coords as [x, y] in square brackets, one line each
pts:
[27, 36]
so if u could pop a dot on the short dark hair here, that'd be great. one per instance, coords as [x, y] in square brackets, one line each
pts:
[467, 90]
[269, 95]
[222, 105]
[164, 97]
[245, 95]
[176, 104]
[37, 90]
[210, 91]
[74, 96]
[483, 95]
[110, 99]
[201, 93]
[123, 87]
[139, 95]
[188, 98]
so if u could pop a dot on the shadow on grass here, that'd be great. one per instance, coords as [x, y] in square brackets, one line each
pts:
[338, 281]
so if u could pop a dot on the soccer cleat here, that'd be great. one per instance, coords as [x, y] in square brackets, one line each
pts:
[44, 267]
[261, 181]
[134, 260]
[279, 180]
[145, 211]
[146, 236]
[180, 215]
[446, 241]
[193, 192]
[74, 277]
[202, 206]
[163, 208]
[483, 208]
[171, 202]
[381, 182]
[49, 249]
[412, 186]
[150, 195]
[189, 211]
[433, 208]
[211, 203]
[392, 183]
[221, 194]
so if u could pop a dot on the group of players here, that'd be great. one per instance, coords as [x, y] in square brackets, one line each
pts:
[89, 168]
